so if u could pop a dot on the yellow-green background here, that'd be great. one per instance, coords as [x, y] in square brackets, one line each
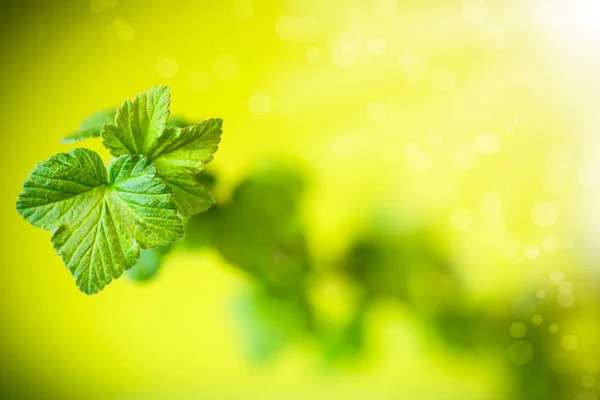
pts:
[532, 83]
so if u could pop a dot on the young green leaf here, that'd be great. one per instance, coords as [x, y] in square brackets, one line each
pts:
[91, 126]
[178, 153]
[99, 221]
[188, 149]
[189, 196]
[184, 153]
[140, 124]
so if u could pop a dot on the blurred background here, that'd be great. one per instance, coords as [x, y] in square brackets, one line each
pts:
[408, 201]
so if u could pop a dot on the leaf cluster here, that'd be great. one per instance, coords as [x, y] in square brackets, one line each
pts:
[100, 219]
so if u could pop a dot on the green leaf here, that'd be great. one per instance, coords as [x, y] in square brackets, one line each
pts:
[99, 221]
[184, 153]
[189, 149]
[91, 126]
[190, 197]
[178, 153]
[140, 124]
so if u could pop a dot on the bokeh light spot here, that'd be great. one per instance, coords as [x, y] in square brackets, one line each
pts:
[592, 365]
[557, 277]
[201, 80]
[313, 54]
[518, 330]
[508, 246]
[588, 381]
[414, 68]
[465, 156]
[376, 110]
[442, 77]
[434, 139]
[586, 396]
[385, 7]
[549, 244]
[260, 103]
[541, 294]
[498, 39]
[532, 251]
[491, 203]
[99, 6]
[566, 243]
[569, 342]
[310, 29]
[288, 27]
[553, 181]
[573, 22]
[344, 57]
[118, 30]
[488, 143]
[520, 352]
[559, 160]
[167, 67]
[537, 319]
[417, 159]
[242, 9]
[461, 219]
[376, 46]
[544, 214]
[345, 47]
[126, 32]
[565, 300]
[292, 28]
[565, 287]
[496, 224]
[475, 10]
[226, 67]
[589, 174]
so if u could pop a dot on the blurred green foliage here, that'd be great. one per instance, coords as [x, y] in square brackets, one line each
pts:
[258, 230]
[149, 263]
